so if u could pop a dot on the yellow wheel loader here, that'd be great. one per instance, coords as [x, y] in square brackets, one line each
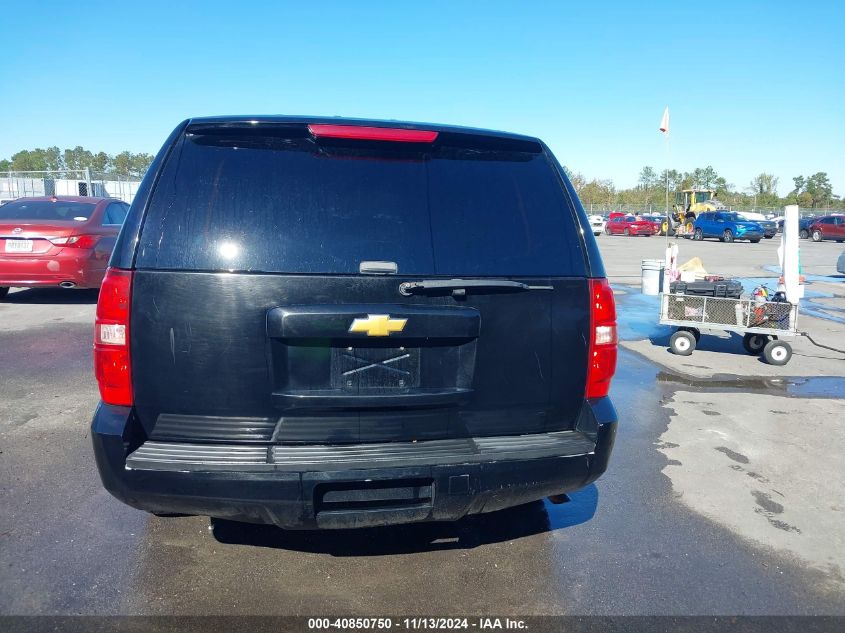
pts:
[688, 204]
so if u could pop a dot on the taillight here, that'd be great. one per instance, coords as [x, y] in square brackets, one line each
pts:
[366, 133]
[76, 241]
[603, 341]
[111, 338]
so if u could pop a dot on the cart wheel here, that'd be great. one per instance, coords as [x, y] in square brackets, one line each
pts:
[694, 331]
[777, 352]
[682, 343]
[754, 343]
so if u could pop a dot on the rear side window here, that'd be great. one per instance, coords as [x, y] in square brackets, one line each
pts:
[290, 205]
[115, 214]
[46, 210]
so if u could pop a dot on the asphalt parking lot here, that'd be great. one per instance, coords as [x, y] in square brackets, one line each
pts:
[724, 494]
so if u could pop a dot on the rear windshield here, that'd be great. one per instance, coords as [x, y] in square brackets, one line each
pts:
[274, 204]
[46, 210]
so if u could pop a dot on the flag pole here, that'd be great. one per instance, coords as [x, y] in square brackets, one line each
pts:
[671, 251]
[664, 128]
[666, 161]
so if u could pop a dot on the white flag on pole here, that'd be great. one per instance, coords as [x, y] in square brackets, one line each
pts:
[664, 122]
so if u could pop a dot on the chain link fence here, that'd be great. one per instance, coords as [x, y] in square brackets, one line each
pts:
[66, 182]
[86, 182]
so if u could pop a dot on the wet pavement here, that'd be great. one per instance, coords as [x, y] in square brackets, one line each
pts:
[627, 544]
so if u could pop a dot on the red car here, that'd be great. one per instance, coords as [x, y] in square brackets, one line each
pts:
[631, 225]
[656, 221]
[828, 227]
[57, 241]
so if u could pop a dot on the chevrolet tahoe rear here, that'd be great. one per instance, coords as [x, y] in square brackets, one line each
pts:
[332, 323]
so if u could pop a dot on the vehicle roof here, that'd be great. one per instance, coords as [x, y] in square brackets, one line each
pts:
[88, 199]
[408, 125]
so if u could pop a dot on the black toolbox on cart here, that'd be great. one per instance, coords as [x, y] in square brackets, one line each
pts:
[725, 288]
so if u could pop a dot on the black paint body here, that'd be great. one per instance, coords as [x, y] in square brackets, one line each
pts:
[253, 400]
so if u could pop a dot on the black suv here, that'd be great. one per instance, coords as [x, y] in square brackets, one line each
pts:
[338, 323]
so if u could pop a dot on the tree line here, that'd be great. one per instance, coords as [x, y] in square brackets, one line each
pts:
[124, 164]
[814, 191]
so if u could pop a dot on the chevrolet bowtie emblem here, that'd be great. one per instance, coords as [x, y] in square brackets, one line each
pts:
[378, 325]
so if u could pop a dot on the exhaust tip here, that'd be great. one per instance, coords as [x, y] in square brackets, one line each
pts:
[67, 284]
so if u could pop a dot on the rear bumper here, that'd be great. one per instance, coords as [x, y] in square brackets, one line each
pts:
[351, 486]
[79, 268]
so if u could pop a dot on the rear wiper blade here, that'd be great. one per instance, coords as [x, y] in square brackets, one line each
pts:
[459, 287]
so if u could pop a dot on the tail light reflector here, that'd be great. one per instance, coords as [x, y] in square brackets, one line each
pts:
[603, 339]
[111, 338]
[364, 133]
[76, 241]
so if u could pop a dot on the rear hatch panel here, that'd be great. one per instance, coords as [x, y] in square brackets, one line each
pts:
[252, 361]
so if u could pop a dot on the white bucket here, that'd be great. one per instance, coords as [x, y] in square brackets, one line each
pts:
[652, 277]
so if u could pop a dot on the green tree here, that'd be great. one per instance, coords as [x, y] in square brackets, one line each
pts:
[598, 192]
[5, 165]
[764, 189]
[676, 180]
[575, 178]
[820, 189]
[763, 184]
[723, 188]
[139, 164]
[805, 199]
[37, 159]
[122, 164]
[100, 162]
[648, 178]
[705, 178]
[78, 158]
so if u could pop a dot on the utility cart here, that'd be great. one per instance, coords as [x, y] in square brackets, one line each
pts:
[763, 324]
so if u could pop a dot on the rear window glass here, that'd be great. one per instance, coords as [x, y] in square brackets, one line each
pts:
[290, 205]
[46, 210]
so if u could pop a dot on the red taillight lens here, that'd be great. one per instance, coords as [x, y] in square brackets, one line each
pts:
[603, 341]
[363, 133]
[111, 338]
[77, 241]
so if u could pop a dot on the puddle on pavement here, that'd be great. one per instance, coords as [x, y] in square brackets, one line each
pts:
[811, 387]
[637, 314]
[579, 509]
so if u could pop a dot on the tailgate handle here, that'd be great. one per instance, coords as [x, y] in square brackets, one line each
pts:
[378, 268]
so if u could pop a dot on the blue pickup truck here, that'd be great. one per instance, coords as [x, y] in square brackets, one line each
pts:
[726, 226]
